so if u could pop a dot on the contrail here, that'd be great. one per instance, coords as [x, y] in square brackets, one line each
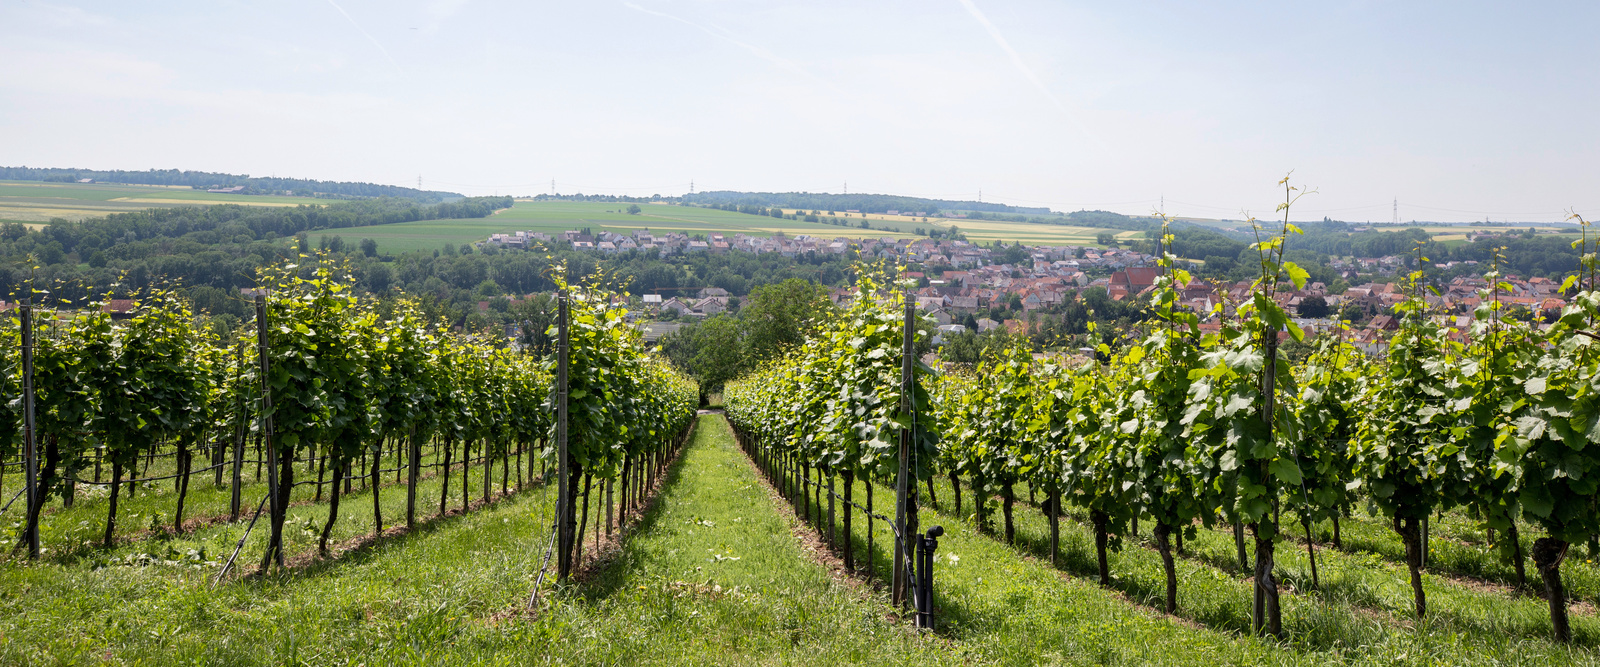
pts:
[758, 51]
[369, 36]
[1016, 59]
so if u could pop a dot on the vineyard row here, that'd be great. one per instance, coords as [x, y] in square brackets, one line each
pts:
[1186, 428]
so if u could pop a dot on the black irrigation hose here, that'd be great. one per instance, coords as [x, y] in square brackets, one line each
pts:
[550, 549]
[225, 463]
[818, 483]
[154, 479]
[242, 538]
[13, 499]
[909, 565]
[352, 478]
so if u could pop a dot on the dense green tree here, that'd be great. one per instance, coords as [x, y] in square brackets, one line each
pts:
[1314, 306]
[712, 350]
[781, 316]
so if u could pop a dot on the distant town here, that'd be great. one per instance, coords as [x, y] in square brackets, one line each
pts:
[982, 278]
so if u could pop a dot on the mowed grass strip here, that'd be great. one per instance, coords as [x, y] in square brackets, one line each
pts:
[1459, 546]
[714, 575]
[68, 535]
[429, 597]
[998, 606]
[711, 576]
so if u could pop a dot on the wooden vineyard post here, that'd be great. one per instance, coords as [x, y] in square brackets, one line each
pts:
[275, 543]
[905, 511]
[564, 513]
[30, 449]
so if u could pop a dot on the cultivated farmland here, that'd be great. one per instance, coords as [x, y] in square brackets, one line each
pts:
[34, 203]
[558, 216]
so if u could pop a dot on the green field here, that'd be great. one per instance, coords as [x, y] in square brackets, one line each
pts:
[34, 202]
[551, 217]
[559, 216]
[1031, 233]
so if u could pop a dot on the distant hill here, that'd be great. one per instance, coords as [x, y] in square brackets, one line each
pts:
[866, 203]
[869, 203]
[205, 180]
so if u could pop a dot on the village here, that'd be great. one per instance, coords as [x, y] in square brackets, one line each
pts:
[962, 283]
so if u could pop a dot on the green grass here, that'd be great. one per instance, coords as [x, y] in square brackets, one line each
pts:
[985, 231]
[73, 535]
[452, 592]
[35, 202]
[558, 216]
[998, 606]
[713, 574]
[1361, 613]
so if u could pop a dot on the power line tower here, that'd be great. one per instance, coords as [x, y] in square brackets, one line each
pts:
[419, 181]
[847, 187]
[1396, 210]
[552, 187]
[691, 186]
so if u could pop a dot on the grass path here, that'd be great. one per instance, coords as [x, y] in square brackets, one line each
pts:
[712, 575]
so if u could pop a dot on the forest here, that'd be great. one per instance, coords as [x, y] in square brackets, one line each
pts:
[1228, 255]
[217, 246]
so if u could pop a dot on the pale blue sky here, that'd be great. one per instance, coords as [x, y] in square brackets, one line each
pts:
[1462, 110]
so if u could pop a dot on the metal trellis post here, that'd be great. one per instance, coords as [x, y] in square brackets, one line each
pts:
[905, 514]
[30, 445]
[275, 545]
[564, 509]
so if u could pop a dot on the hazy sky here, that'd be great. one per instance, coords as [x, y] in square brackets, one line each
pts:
[1462, 110]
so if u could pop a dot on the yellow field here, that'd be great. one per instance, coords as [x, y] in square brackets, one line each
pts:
[256, 201]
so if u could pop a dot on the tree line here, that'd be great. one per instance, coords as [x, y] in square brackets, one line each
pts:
[219, 246]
